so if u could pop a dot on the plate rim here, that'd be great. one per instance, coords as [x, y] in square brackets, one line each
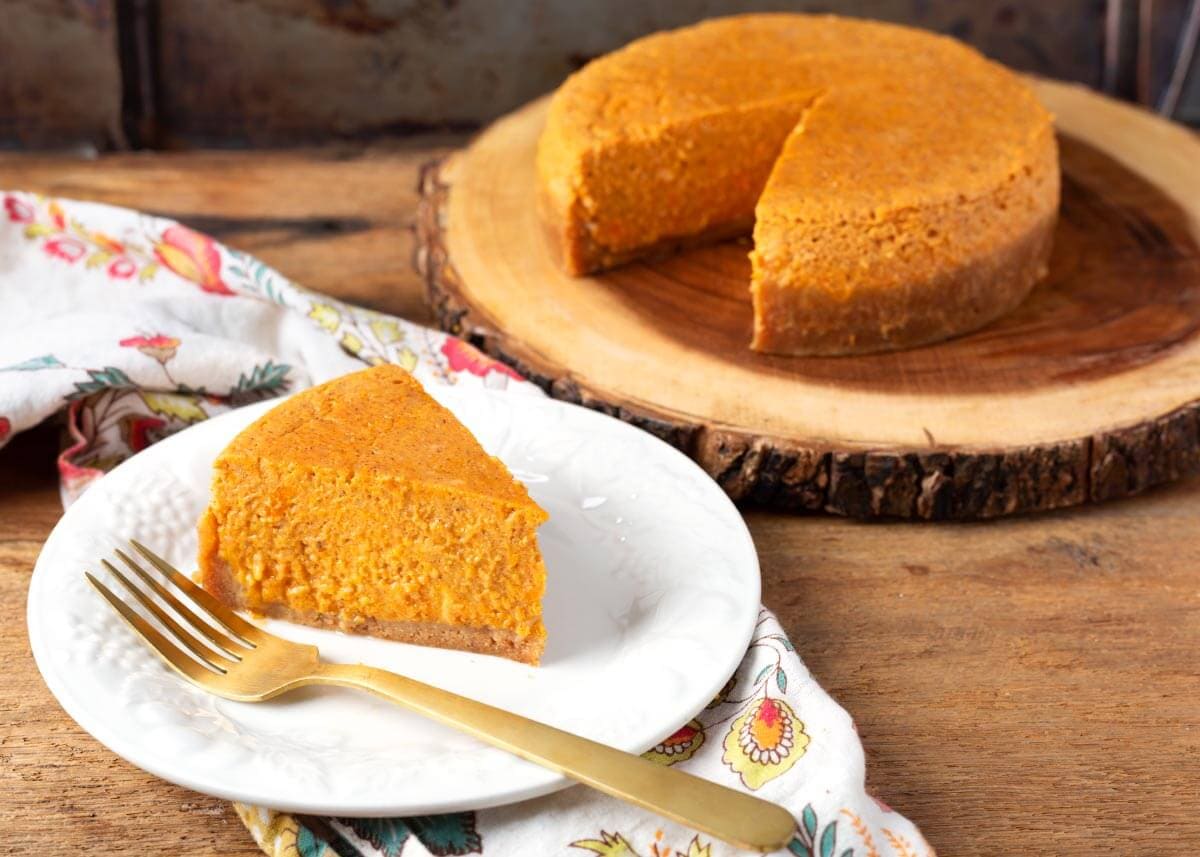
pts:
[134, 754]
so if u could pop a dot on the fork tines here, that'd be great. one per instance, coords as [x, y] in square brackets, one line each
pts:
[216, 642]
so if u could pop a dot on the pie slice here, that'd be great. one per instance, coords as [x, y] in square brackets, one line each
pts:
[364, 505]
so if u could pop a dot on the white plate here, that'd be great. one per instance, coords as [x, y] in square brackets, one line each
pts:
[652, 594]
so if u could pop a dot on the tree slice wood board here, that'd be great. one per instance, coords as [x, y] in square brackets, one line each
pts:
[1089, 391]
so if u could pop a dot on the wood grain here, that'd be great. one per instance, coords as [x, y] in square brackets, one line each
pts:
[1095, 377]
[1023, 685]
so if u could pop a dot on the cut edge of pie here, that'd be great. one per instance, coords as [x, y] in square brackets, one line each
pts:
[218, 579]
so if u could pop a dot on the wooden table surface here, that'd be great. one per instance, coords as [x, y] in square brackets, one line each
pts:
[1028, 685]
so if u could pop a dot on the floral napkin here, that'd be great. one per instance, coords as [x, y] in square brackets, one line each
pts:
[134, 327]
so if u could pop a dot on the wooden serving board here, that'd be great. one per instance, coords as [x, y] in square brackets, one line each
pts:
[1088, 391]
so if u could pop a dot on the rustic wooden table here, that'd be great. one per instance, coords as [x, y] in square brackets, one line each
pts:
[1028, 685]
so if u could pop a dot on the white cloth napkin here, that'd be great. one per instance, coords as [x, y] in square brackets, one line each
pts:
[136, 327]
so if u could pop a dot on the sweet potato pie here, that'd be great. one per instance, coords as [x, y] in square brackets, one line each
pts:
[900, 187]
[364, 505]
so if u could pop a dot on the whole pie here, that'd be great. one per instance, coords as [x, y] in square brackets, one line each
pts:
[364, 505]
[901, 188]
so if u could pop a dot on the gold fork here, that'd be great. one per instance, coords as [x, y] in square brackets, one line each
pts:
[245, 663]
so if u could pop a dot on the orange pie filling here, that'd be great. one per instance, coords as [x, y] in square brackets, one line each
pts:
[363, 505]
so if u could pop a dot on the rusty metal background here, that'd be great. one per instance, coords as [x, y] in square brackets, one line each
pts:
[115, 74]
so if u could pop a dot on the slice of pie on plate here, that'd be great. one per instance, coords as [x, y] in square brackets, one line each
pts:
[364, 505]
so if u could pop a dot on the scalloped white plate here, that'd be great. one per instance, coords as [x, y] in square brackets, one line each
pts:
[652, 595]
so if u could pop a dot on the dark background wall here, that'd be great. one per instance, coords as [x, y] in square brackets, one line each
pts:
[118, 74]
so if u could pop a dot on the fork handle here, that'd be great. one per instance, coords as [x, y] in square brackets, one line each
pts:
[737, 818]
